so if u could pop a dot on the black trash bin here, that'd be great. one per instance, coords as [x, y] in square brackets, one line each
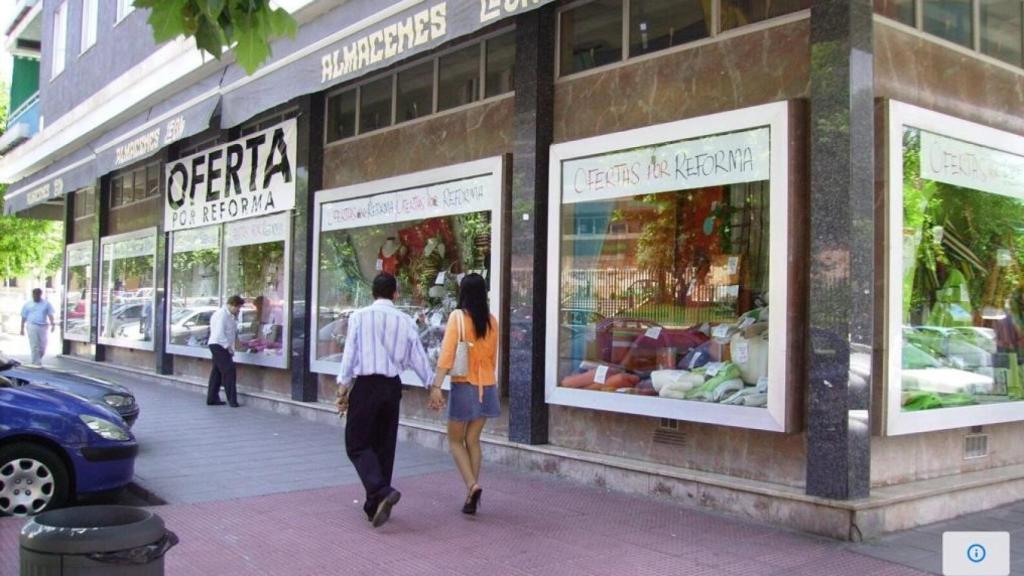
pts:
[95, 540]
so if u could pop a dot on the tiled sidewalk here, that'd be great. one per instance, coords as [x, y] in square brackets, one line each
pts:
[528, 525]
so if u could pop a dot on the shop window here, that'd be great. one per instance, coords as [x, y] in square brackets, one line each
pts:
[1001, 27]
[950, 19]
[427, 242]
[341, 115]
[459, 78]
[135, 186]
[659, 24]
[116, 191]
[59, 39]
[736, 13]
[256, 269]
[195, 286]
[963, 261]
[590, 36]
[128, 264]
[85, 200]
[139, 184]
[500, 65]
[665, 271]
[416, 92]
[78, 291]
[899, 10]
[375, 105]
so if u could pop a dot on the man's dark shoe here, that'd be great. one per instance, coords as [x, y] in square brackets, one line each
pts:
[383, 513]
[216, 403]
[234, 404]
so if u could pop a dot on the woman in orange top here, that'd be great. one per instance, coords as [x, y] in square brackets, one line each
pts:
[474, 397]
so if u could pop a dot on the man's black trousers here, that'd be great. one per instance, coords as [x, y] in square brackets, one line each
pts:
[223, 373]
[371, 433]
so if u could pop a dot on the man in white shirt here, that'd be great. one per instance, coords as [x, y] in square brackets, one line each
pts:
[223, 333]
[382, 342]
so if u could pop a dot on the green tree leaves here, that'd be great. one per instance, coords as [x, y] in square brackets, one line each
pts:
[217, 25]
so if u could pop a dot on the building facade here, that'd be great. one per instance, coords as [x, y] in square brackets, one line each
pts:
[756, 256]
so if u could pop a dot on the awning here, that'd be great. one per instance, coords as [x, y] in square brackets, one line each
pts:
[354, 39]
[72, 172]
[185, 114]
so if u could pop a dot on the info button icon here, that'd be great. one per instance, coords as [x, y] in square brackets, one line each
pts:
[976, 554]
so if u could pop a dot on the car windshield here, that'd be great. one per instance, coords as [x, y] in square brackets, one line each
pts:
[179, 314]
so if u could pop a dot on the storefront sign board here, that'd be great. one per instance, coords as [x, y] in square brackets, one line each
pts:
[257, 231]
[249, 177]
[683, 165]
[79, 254]
[971, 166]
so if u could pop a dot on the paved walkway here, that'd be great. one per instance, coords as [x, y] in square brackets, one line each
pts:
[256, 492]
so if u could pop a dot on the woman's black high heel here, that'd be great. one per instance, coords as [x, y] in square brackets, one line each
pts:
[473, 501]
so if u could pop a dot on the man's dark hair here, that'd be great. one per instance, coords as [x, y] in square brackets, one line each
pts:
[37, 291]
[235, 300]
[384, 286]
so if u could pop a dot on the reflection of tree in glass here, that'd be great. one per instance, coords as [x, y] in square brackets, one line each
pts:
[339, 269]
[958, 229]
[254, 267]
[659, 237]
[188, 269]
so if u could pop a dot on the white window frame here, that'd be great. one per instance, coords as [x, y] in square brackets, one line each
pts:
[898, 422]
[177, 349]
[59, 40]
[84, 246]
[90, 24]
[493, 168]
[775, 416]
[124, 8]
[104, 242]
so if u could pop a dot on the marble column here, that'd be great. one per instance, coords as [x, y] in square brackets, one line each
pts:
[527, 214]
[69, 237]
[842, 249]
[309, 179]
[101, 226]
[164, 362]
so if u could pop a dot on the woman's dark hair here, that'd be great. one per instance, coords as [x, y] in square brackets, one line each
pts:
[473, 299]
[384, 286]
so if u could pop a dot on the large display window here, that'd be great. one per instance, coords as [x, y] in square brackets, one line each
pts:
[427, 228]
[256, 267]
[78, 291]
[956, 287]
[195, 289]
[127, 280]
[668, 270]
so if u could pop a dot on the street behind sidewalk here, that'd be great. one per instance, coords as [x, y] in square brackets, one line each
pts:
[255, 492]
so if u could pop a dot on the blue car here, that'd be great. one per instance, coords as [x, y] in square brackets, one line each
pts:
[56, 446]
[93, 389]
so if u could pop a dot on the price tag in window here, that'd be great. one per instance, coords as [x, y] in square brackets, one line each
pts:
[733, 291]
[762, 384]
[380, 265]
[653, 332]
[1003, 258]
[721, 331]
[711, 370]
[741, 352]
[440, 278]
[938, 233]
[965, 296]
[601, 375]
[733, 265]
[747, 322]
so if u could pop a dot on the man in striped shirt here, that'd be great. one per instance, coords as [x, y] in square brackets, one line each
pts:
[382, 342]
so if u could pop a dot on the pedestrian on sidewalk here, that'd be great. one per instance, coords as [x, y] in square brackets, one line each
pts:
[474, 395]
[382, 342]
[223, 334]
[35, 313]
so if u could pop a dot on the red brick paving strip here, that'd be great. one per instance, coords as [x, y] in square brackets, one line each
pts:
[526, 526]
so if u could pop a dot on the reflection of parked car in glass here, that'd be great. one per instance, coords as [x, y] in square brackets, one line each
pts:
[125, 321]
[191, 326]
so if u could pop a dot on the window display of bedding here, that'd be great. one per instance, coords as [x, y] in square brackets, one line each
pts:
[963, 287]
[665, 295]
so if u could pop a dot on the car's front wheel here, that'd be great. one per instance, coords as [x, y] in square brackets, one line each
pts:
[32, 479]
